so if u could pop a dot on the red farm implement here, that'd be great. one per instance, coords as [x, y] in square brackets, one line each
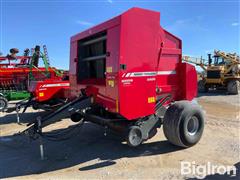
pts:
[127, 74]
[20, 77]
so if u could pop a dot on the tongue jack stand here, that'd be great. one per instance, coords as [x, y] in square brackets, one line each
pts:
[17, 110]
[40, 138]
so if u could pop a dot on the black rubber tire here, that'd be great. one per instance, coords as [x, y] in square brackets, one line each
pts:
[233, 87]
[134, 137]
[202, 88]
[76, 117]
[35, 106]
[176, 123]
[3, 104]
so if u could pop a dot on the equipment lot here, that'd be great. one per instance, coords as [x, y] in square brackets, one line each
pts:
[91, 155]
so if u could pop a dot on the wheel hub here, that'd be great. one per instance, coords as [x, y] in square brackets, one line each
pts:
[135, 136]
[2, 104]
[193, 126]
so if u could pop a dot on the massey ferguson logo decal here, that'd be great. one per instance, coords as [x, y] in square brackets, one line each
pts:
[151, 76]
[146, 74]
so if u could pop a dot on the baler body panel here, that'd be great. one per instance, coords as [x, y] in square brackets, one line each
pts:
[141, 62]
[170, 58]
[139, 53]
[104, 90]
[188, 82]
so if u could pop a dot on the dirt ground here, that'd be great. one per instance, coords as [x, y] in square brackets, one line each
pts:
[88, 154]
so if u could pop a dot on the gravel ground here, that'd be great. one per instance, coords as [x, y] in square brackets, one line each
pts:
[88, 154]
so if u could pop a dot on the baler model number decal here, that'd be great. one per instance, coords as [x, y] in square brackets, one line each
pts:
[127, 81]
[151, 79]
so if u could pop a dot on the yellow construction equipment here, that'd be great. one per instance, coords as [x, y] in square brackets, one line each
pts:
[222, 70]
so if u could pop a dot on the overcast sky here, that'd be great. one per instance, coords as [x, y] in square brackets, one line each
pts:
[202, 25]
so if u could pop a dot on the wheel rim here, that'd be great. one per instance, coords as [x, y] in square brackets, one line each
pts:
[135, 137]
[193, 126]
[2, 104]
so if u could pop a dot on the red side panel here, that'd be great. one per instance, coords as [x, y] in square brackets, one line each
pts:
[112, 68]
[170, 58]
[74, 90]
[188, 82]
[139, 52]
